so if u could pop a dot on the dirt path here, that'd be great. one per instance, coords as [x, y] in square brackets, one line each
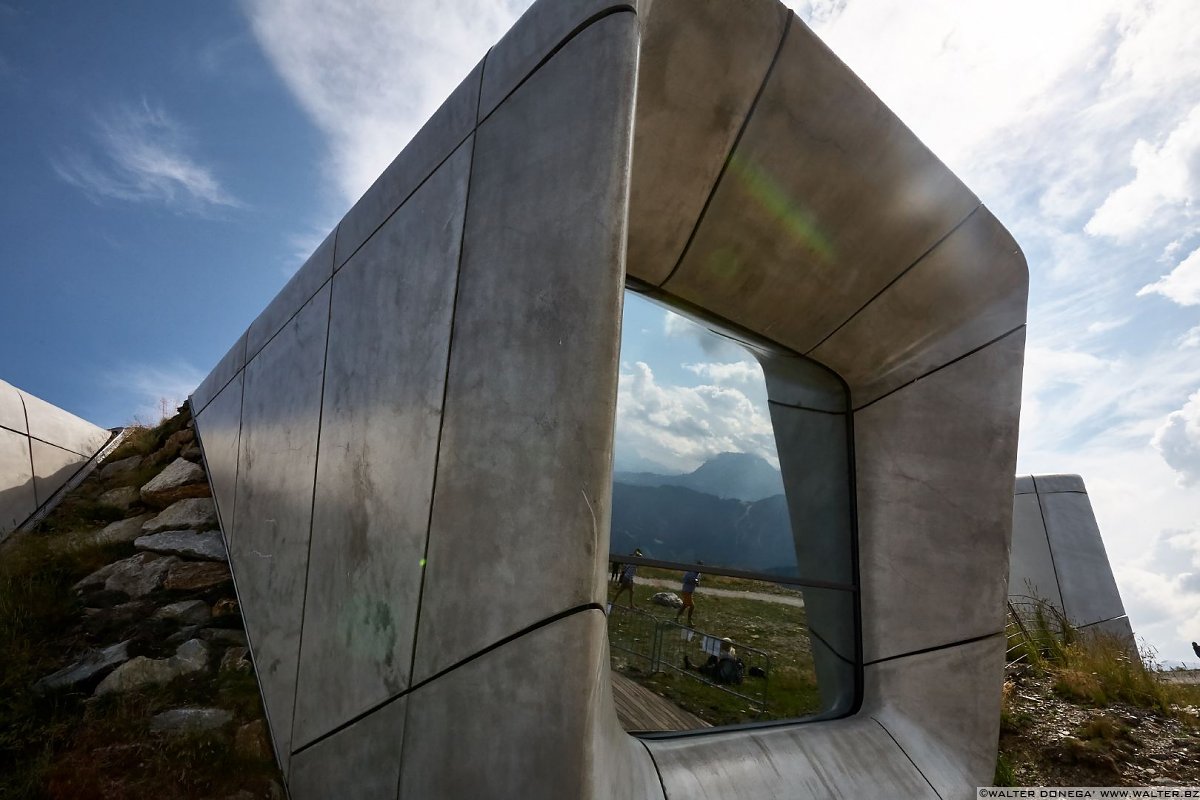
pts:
[782, 599]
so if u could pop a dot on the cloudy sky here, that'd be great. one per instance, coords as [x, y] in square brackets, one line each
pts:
[167, 167]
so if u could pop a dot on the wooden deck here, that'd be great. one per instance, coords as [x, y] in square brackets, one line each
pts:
[640, 709]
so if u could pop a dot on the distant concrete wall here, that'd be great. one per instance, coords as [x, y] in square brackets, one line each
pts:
[41, 447]
[410, 448]
[1058, 554]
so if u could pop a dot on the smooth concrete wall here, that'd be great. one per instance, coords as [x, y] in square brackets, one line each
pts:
[410, 449]
[1058, 554]
[41, 447]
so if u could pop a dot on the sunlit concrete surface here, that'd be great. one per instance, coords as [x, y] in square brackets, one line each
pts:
[411, 447]
[41, 447]
[1058, 554]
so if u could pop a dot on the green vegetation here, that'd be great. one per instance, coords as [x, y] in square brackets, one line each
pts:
[777, 629]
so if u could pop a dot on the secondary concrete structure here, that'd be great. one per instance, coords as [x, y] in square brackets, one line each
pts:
[41, 447]
[410, 448]
[1058, 554]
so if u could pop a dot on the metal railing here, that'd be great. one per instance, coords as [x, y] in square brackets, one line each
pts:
[665, 645]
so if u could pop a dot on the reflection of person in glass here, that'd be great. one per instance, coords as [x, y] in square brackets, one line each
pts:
[690, 581]
[626, 582]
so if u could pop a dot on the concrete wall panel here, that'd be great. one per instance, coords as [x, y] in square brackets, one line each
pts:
[846, 759]
[531, 391]
[1049, 484]
[362, 761]
[950, 302]
[943, 709]
[17, 498]
[276, 467]
[1031, 571]
[12, 410]
[436, 140]
[702, 65]
[1085, 578]
[311, 276]
[379, 438]
[52, 467]
[230, 364]
[62, 428]
[827, 198]
[219, 426]
[927, 537]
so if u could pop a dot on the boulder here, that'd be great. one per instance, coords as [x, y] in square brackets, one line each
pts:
[102, 623]
[224, 636]
[119, 468]
[197, 513]
[136, 576]
[123, 497]
[192, 453]
[252, 743]
[170, 449]
[119, 532]
[235, 659]
[180, 480]
[140, 672]
[102, 598]
[194, 577]
[207, 546]
[669, 599]
[191, 720]
[92, 666]
[189, 611]
[226, 607]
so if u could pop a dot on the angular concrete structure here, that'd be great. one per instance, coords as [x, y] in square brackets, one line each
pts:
[1058, 555]
[41, 448]
[411, 447]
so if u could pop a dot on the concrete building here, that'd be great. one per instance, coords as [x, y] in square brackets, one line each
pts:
[41, 448]
[410, 448]
[1058, 555]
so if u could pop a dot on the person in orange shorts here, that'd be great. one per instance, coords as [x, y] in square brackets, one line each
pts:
[690, 581]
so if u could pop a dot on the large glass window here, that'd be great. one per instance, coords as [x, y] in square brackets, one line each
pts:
[732, 590]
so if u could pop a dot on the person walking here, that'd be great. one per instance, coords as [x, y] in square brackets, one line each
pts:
[626, 581]
[690, 581]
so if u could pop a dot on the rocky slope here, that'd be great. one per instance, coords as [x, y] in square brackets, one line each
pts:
[122, 605]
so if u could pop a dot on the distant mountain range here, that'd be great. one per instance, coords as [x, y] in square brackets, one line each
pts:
[730, 511]
[740, 476]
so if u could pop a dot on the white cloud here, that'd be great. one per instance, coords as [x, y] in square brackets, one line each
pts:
[370, 72]
[682, 426]
[1178, 440]
[1181, 284]
[154, 389]
[1191, 338]
[747, 372]
[1167, 177]
[676, 326]
[140, 156]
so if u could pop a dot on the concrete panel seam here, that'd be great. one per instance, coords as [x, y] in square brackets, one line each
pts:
[941, 367]
[787, 27]
[312, 500]
[624, 8]
[285, 323]
[936, 647]
[1102, 621]
[224, 386]
[29, 443]
[916, 766]
[806, 408]
[1050, 549]
[898, 276]
[60, 447]
[550, 620]
[654, 763]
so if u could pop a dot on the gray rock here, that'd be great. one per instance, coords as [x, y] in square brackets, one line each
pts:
[122, 467]
[91, 666]
[191, 720]
[135, 576]
[193, 576]
[252, 742]
[140, 672]
[224, 636]
[123, 497]
[235, 660]
[189, 611]
[192, 453]
[180, 480]
[669, 599]
[121, 531]
[207, 546]
[197, 513]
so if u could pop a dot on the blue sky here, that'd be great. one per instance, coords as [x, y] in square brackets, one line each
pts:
[167, 166]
